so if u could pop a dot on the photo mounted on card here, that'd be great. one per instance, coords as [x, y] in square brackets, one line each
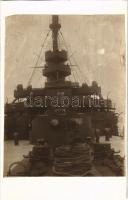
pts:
[64, 95]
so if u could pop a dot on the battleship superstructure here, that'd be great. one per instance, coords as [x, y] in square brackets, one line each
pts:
[62, 112]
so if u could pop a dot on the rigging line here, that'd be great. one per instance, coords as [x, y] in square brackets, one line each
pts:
[64, 40]
[77, 66]
[69, 77]
[49, 42]
[67, 49]
[39, 79]
[65, 46]
[74, 59]
[79, 78]
[42, 46]
[70, 57]
[85, 77]
[78, 75]
[71, 54]
[74, 70]
[74, 76]
[59, 42]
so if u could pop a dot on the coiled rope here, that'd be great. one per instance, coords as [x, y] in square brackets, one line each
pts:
[72, 160]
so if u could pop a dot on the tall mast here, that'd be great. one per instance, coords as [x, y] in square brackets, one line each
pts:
[55, 27]
[56, 69]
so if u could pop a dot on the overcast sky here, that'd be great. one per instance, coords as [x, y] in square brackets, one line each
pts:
[96, 42]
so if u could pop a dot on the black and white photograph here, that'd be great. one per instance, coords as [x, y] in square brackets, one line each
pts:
[63, 100]
[64, 95]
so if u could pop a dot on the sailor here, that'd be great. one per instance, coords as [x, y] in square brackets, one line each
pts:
[97, 135]
[16, 138]
[30, 131]
[107, 134]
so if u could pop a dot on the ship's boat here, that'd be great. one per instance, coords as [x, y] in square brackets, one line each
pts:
[64, 122]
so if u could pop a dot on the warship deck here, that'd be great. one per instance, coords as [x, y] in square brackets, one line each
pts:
[15, 153]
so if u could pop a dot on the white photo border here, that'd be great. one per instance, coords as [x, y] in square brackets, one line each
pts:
[49, 187]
